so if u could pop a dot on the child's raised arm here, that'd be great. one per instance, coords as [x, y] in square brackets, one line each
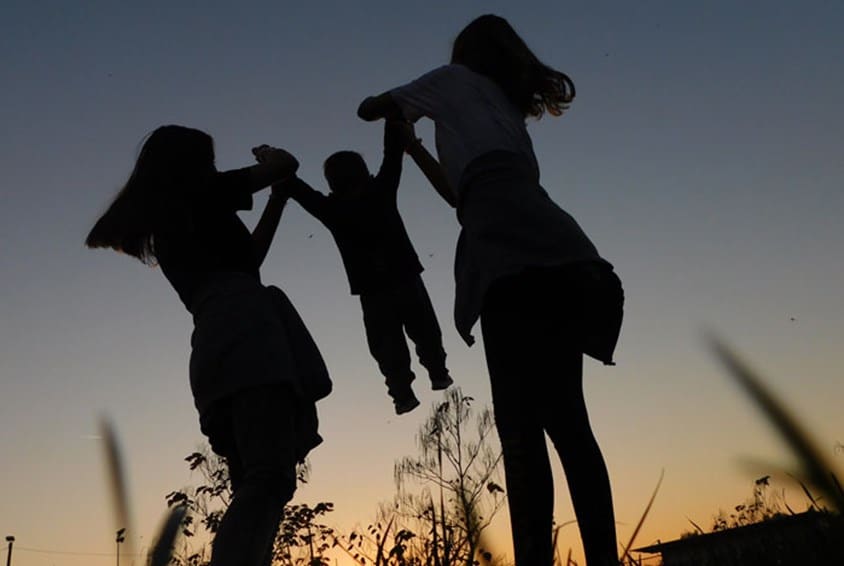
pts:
[397, 134]
[314, 202]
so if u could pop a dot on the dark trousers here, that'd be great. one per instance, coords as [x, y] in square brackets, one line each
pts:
[387, 316]
[532, 326]
[253, 430]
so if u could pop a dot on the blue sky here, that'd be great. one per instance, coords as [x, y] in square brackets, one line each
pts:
[702, 155]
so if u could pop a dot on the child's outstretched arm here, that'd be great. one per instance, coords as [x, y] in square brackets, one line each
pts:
[314, 202]
[432, 170]
[397, 133]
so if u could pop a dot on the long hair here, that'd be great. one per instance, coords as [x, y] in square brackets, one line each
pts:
[174, 162]
[490, 46]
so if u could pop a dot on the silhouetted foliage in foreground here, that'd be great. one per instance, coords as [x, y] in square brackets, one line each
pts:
[446, 496]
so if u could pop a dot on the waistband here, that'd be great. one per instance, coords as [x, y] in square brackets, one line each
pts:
[223, 284]
[496, 166]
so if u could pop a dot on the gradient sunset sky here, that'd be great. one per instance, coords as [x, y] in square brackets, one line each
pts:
[704, 155]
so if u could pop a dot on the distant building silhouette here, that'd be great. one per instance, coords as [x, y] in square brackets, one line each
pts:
[807, 539]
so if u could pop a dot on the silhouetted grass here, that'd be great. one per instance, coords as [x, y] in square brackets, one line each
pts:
[116, 472]
[815, 469]
[165, 539]
[641, 522]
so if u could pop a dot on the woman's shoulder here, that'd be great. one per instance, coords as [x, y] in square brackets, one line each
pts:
[445, 74]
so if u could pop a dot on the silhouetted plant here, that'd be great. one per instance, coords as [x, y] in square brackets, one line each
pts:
[761, 506]
[456, 469]
[446, 494]
[302, 538]
[815, 470]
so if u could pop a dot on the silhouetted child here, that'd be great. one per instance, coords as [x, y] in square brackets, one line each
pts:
[362, 214]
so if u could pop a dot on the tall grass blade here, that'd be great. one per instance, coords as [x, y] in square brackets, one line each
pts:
[379, 553]
[813, 503]
[116, 472]
[555, 534]
[696, 526]
[837, 484]
[162, 552]
[641, 522]
[817, 470]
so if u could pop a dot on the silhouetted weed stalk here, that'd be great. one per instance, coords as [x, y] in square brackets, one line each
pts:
[815, 470]
[761, 506]
[446, 497]
[626, 558]
[165, 540]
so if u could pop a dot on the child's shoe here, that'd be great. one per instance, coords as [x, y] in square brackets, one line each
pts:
[405, 403]
[440, 381]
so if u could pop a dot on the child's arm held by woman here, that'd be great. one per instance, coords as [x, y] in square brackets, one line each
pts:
[273, 165]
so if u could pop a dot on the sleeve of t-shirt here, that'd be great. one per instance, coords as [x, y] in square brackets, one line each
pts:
[232, 190]
[426, 95]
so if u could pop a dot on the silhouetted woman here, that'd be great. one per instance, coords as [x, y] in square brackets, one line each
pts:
[255, 372]
[526, 269]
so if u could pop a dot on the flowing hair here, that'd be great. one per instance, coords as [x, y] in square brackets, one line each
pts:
[174, 162]
[490, 46]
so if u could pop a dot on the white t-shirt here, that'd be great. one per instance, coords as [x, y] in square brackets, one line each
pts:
[472, 114]
[509, 222]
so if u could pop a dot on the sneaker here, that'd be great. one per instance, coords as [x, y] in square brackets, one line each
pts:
[406, 404]
[441, 381]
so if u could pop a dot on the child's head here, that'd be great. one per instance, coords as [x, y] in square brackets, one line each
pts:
[345, 171]
[174, 163]
[490, 46]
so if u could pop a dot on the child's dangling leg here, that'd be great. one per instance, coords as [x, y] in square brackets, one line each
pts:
[401, 391]
[420, 323]
[387, 344]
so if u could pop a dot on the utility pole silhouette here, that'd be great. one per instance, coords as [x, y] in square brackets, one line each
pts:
[10, 539]
[120, 538]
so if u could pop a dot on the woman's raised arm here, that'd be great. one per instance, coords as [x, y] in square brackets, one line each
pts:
[377, 107]
[432, 170]
[273, 165]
